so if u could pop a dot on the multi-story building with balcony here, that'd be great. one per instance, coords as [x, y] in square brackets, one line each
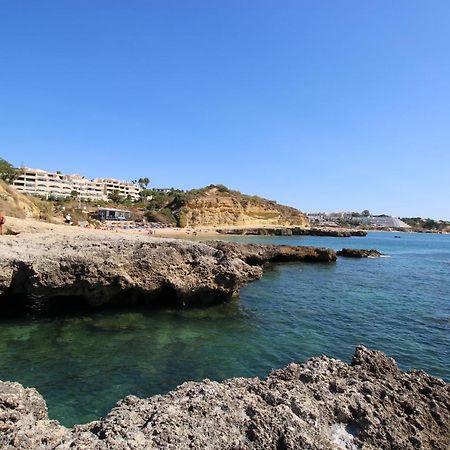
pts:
[55, 184]
[124, 188]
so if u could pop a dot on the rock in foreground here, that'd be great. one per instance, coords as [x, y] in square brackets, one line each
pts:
[112, 269]
[323, 404]
[52, 271]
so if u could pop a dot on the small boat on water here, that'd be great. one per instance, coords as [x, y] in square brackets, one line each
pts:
[398, 237]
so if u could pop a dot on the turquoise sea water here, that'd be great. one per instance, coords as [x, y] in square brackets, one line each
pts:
[399, 304]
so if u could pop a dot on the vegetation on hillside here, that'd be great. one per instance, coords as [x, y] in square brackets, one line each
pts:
[156, 205]
[7, 171]
[427, 224]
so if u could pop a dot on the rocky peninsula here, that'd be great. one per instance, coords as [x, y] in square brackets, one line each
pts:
[292, 231]
[52, 270]
[323, 404]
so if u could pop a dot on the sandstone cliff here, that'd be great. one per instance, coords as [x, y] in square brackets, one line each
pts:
[14, 204]
[323, 404]
[217, 206]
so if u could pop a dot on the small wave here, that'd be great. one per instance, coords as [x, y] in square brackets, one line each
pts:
[385, 256]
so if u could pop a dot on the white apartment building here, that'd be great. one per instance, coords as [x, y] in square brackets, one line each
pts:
[124, 188]
[46, 184]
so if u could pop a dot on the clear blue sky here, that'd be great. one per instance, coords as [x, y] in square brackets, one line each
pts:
[323, 105]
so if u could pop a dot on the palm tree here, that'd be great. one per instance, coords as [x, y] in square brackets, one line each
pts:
[143, 182]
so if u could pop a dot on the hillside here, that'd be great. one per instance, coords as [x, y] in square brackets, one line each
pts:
[218, 206]
[14, 204]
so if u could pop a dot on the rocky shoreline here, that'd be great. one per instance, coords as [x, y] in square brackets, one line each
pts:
[45, 271]
[358, 253]
[292, 231]
[322, 404]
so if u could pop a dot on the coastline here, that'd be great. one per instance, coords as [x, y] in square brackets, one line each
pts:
[321, 404]
[66, 260]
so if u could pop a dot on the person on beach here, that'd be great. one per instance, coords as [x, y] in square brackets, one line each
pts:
[2, 222]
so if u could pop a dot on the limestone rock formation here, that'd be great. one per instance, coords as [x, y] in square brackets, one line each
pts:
[109, 269]
[292, 231]
[257, 254]
[217, 206]
[331, 232]
[46, 270]
[262, 231]
[323, 404]
[359, 253]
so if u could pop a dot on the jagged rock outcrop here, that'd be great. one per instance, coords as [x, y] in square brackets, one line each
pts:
[257, 254]
[265, 231]
[292, 231]
[116, 269]
[323, 404]
[359, 253]
[217, 206]
[331, 232]
[45, 270]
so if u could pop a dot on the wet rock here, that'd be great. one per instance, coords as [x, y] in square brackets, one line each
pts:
[257, 254]
[330, 232]
[323, 404]
[358, 253]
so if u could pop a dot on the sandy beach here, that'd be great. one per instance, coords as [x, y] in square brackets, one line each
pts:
[37, 226]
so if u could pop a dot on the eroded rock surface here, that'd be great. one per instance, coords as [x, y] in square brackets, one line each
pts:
[109, 269]
[257, 254]
[98, 269]
[331, 232]
[359, 253]
[323, 404]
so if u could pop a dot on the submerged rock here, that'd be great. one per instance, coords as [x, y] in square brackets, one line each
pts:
[323, 404]
[358, 253]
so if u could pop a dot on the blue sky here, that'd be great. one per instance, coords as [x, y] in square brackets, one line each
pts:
[323, 105]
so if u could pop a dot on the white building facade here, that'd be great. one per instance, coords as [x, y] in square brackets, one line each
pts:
[55, 184]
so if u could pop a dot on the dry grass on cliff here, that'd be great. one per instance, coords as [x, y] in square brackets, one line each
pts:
[14, 204]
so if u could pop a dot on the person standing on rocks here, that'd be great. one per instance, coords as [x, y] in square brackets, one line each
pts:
[2, 222]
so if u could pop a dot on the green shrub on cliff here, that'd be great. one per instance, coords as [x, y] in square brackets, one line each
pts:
[182, 219]
[7, 171]
[165, 215]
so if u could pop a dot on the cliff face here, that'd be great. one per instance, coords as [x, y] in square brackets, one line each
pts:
[323, 404]
[220, 207]
[14, 204]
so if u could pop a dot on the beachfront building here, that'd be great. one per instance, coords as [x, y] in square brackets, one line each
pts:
[55, 184]
[111, 214]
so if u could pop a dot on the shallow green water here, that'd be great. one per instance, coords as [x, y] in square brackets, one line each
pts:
[400, 304]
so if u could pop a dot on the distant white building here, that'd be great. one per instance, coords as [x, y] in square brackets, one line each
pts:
[55, 184]
[330, 219]
[382, 222]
